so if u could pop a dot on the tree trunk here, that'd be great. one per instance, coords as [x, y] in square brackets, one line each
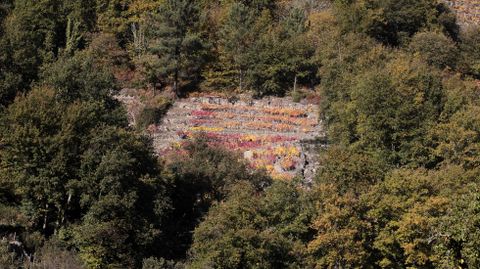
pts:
[175, 82]
[295, 84]
[45, 218]
[241, 80]
[64, 211]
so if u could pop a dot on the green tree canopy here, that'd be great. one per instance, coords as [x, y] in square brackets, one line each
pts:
[435, 48]
[392, 22]
[175, 49]
[253, 231]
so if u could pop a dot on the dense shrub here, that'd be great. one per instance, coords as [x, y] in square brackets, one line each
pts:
[153, 112]
[435, 48]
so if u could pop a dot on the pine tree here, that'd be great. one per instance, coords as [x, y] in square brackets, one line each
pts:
[236, 40]
[112, 18]
[176, 47]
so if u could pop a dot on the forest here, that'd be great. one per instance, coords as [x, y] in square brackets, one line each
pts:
[398, 180]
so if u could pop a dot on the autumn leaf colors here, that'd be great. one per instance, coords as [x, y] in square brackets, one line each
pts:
[268, 132]
[239, 134]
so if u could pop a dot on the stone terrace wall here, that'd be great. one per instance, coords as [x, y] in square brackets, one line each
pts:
[275, 134]
[468, 11]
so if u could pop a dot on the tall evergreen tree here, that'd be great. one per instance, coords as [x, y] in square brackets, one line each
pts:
[178, 50]
[236, 40]
[112, 18]
[281, 55]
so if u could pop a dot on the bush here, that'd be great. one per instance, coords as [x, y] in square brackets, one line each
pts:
[298, 96]
[154, 263]
[470, 60]
[53, 255]
[153, 112]
[435, 48]
[7, 257]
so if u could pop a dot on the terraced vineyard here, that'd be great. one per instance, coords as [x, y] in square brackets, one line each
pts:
[275, 134]
[468, 11]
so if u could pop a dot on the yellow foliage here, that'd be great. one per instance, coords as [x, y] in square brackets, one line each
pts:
[206, 129]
